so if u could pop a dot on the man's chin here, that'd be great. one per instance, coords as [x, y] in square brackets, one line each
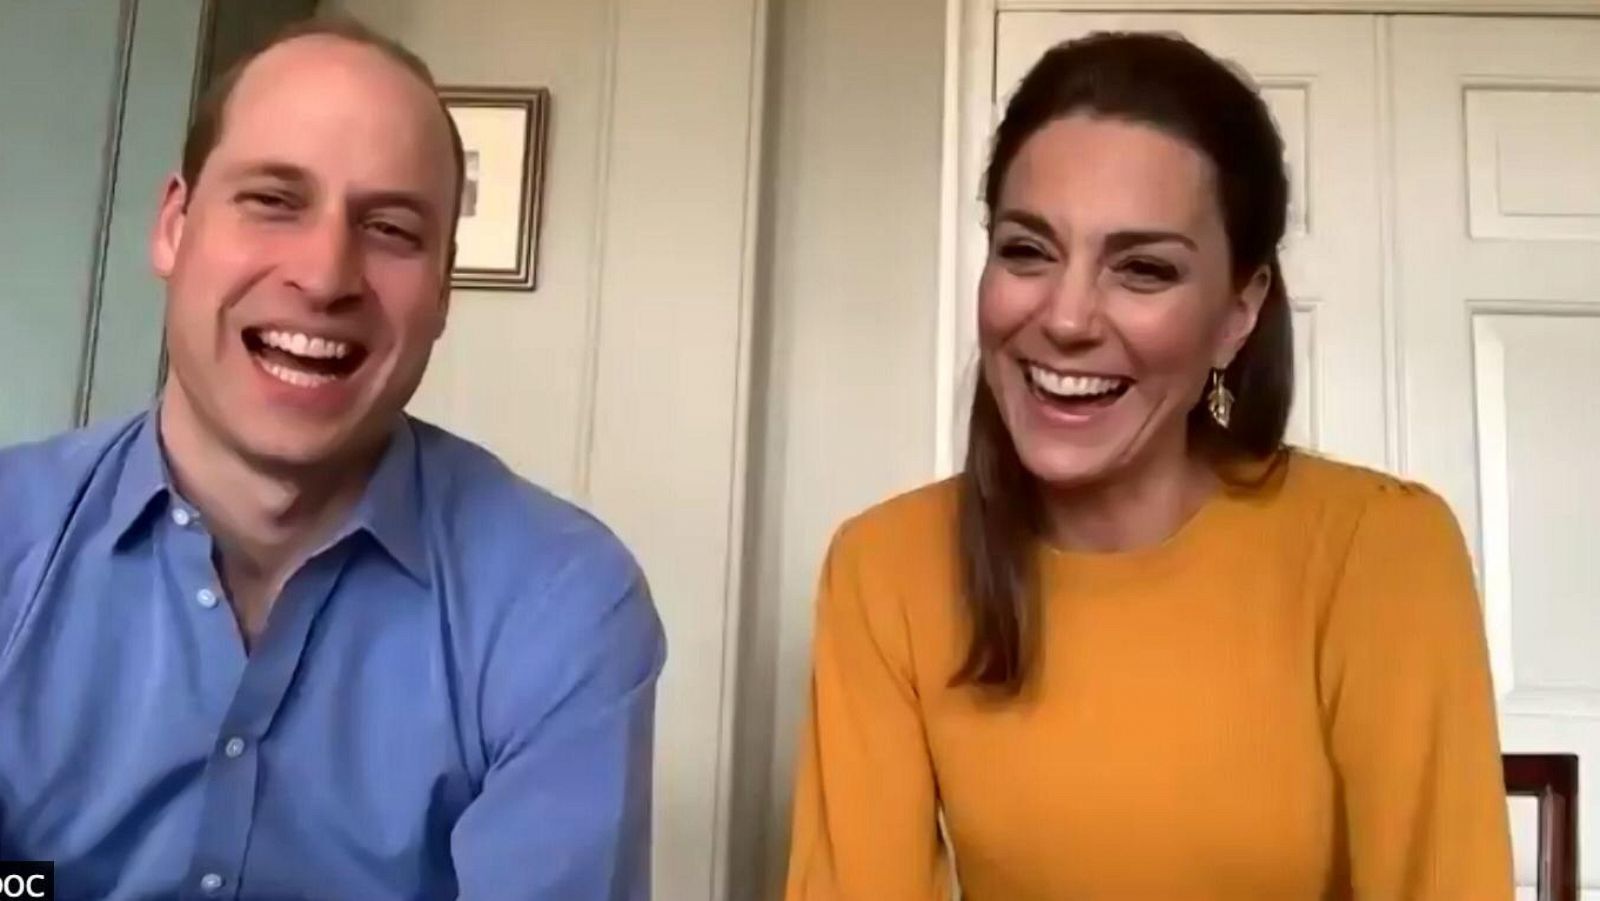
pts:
[300, 448]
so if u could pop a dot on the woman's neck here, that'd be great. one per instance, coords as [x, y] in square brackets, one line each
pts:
[1132, 510]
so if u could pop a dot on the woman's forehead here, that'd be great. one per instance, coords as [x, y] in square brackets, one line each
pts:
[1111, 169]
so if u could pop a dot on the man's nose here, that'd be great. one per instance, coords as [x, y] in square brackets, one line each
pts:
[324, 264]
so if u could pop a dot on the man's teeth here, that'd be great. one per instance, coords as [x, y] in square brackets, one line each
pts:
[303, 345]
[295, 377]
[1072, 385]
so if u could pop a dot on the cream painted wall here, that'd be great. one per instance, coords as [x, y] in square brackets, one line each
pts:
[514, 370]
[623, 382]
[841, 361]
[845, 352]
[841, 356]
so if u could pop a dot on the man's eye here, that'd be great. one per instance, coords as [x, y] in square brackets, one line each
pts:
[265, 200]
[393, 232]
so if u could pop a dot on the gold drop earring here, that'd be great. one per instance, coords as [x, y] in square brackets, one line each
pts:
[1220, 400]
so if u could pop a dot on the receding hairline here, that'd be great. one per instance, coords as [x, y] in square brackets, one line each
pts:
[210, 117]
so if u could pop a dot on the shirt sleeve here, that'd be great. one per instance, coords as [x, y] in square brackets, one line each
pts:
[569, 711]
[1410, 708]
[865, 822]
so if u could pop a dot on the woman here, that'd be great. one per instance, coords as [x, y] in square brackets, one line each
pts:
[1139, 648]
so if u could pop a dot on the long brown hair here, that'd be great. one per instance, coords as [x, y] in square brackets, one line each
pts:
[1172, 85]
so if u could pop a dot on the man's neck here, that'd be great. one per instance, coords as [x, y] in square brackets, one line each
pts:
[1132, 511]
[264, 521]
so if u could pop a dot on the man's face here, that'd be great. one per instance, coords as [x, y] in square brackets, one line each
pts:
[307, 267]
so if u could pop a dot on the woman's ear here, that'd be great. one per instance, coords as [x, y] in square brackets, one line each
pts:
[1240, 319]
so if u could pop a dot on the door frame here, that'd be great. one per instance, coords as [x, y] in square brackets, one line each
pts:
[969, 47]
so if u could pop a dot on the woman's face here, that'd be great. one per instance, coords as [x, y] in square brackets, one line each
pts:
[1107, 298]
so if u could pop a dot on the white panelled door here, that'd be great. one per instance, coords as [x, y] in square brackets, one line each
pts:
[1497, 149]
[1319, 77]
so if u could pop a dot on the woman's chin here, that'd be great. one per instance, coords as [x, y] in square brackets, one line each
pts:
[1065, 469]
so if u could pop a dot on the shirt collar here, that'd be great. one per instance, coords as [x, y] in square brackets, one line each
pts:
[390, 509]
[143, 479]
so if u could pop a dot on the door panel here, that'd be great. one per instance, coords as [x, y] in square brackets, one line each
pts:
[1497, 154]
[1319, 78]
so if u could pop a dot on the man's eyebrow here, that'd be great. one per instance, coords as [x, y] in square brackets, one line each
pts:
[412, 201]
[406, 200]
[271, 169]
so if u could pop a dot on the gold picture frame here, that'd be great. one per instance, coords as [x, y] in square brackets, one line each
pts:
[503, 133]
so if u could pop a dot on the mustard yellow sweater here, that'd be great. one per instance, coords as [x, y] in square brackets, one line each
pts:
[1288, 699]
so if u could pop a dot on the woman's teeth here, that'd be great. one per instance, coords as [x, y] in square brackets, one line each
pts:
[1072, 386]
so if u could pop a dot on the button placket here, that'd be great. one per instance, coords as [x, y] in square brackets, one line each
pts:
[232, 771]
[190, 530]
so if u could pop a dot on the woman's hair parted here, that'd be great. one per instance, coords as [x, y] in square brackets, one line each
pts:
[1171, 85]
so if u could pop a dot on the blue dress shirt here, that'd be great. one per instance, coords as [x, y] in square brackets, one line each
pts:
[454, 696]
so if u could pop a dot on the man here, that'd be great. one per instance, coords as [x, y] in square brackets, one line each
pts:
[436, 680]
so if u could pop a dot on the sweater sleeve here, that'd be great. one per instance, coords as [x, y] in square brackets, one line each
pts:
[865, 821]
[1406, 691]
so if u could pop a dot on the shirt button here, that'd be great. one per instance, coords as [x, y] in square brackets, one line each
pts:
[206, 598]
[234, 747]
[210, 882]
[182, 517]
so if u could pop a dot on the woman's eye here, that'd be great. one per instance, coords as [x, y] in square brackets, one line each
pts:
[1022, 252]
[1152, 272]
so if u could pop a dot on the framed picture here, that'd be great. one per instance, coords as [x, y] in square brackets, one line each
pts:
[503, 135]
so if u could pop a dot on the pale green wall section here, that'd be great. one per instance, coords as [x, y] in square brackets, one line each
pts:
[59, 67]
[94, 97]
[161, 74]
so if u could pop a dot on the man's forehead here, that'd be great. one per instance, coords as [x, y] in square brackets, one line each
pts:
[318, 56]
[332, 78]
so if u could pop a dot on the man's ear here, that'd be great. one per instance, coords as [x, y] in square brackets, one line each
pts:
[444, 312]
[1242, 315]
[168, 231]
[444, 289]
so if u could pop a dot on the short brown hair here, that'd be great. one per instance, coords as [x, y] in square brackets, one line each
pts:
[205, 127]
